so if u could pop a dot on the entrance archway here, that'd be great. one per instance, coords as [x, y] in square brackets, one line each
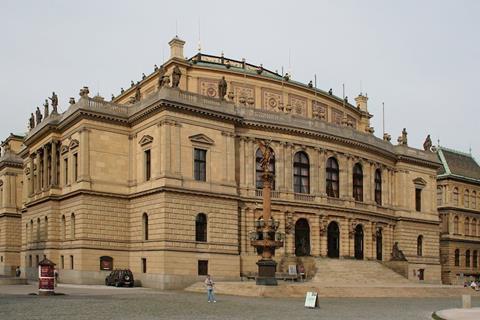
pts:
[302, 238]
[333, 240]
[359, 242]
[379, 242]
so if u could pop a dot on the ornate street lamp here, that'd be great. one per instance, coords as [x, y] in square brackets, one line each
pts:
[266, 237]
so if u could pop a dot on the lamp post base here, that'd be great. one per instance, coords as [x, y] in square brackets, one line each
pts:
[266, 273]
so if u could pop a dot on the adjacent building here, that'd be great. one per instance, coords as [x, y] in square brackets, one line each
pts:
[165, 179]
[458, 201]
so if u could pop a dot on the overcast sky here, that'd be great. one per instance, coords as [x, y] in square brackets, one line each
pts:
[422, 58]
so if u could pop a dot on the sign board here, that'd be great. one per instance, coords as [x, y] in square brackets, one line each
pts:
[292, 269]
[311, 300]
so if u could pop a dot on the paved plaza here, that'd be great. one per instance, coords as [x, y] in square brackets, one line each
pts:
[100, 302]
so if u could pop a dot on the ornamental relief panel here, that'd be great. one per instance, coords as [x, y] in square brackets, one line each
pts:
[243, 94]
[271, 99]
[208, 87]
[337, 116]
[352, 121]
[319, 110]
[299, 105]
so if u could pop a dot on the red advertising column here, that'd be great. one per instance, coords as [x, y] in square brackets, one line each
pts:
[46, 277]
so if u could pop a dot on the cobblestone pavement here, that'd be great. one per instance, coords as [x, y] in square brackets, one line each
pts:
[99, 302]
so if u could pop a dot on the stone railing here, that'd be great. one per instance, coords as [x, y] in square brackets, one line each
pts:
[105, 106]
[274, 194]
[303, 197]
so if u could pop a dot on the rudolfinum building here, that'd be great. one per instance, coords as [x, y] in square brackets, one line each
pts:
[165, 180]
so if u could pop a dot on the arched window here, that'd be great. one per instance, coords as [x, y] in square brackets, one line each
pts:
[72, 226]
[378, 187]
[201, 227]
[64, 228]
[466, 226]
[38, 229]
[259, 170]
[46, 229]
[474, 227]
[473, 203]
[466, 198]
[439, 196]
[455, 196]
[31, 230]
[27, 238]
[475, 258]
[332, 178]
[301, 173]
[420, 246]
[467, 258]
[358, 182]
[145, 226]
[457, 258]
[455, 225]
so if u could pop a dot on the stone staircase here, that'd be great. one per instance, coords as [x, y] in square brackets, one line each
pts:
[356, 273]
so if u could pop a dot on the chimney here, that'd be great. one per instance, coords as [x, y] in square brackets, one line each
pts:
[176, 48]
[361, 101]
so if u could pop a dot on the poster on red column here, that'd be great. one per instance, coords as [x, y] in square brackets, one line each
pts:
[46, 272]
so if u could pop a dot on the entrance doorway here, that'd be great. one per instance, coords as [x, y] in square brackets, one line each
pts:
[359, 242]
[302, 238]
[379, 239]
[333, 239]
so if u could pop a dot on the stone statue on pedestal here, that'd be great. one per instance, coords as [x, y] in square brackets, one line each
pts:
[176, 75]
[38, 115]
[267, 154]
[427, 145]
[397, 254]
[54, 100]
[222, 88]
[32, 121]
[45, 108]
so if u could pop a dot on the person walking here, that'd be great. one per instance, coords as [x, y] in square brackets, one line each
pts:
[55, 274]
[209, 284]
[18, 272]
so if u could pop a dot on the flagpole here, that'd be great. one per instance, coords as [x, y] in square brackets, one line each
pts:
[383, 116]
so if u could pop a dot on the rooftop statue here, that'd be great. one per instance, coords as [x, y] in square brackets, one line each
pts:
[427, 145]
[84, 92]
[132, 83]
[45, 108]
[137, 94]
[39, 115]
[143, 76]
[310, 84]
[330, 92]
[72, 100]
[222, 88]
[54, 100]
[403, 138]
[32, 121]
[122, 90]
[155, 68]
[161, 77]
[176, 75]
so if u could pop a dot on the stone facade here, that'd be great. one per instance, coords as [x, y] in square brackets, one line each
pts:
[163, 180]
[458, 200]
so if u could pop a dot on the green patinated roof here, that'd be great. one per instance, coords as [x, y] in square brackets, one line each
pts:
[458, 164]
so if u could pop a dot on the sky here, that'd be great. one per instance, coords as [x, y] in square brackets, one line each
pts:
[420, 58]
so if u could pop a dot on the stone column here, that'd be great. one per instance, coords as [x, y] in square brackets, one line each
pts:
[314, 164]
[231, 158]
[288, 167]
[250, 169]
[54, 173]
[344, 247]
[243, 212]
[166, 145]
[39, 171]
[315, 236]
[350, 162]
[368, 241]
[45, 167]
[242, 161]
[280, 170]
[343, 176]
[322, 162]
[290, 236]
[323, 235]
[176, 149]
[84, 174]
[31, 181]
[226, 151]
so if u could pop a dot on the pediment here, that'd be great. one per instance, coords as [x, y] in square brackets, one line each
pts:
[73, 144]
[146, 139]
[420, 182]
[63, 149]
[201, 138]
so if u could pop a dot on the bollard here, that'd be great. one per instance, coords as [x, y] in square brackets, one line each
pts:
[466, 301]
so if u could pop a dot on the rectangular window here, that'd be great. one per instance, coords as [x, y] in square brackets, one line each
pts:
[65, 170]
[202, 267]
[75, 167]
[418, 199]
[200, 164]
[144, 265]
[37, 260]
[1, 259]
[148, 169]
[71, 262]
[30, 261]
[62, 262]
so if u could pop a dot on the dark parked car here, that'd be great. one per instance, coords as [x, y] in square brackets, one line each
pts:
[120, 278]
